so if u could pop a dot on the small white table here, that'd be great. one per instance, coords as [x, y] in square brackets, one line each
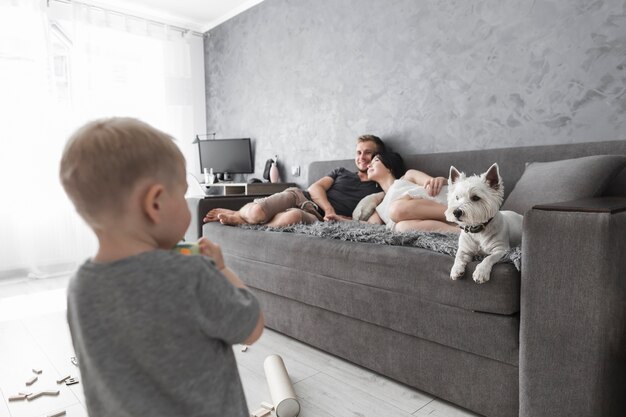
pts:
[243, 188]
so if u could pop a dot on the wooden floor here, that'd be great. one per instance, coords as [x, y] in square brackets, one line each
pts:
[34, 334]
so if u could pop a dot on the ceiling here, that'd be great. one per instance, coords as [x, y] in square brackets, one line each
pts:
[198, 15]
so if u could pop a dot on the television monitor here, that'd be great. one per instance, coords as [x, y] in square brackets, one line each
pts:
[226, 156]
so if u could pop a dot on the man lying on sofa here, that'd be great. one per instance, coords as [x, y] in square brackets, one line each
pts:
[331, 197]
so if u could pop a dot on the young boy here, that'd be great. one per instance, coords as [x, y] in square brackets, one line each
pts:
[152, 329]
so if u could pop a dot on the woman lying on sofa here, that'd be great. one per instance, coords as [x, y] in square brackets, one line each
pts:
[413, 201]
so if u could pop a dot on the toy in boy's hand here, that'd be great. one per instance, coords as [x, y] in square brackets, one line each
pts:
[187, 248]
[203, 247]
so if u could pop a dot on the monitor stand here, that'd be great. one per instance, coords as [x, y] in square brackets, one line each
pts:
[226, 177]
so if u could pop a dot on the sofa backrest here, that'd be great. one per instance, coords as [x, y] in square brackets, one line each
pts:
[511, 161]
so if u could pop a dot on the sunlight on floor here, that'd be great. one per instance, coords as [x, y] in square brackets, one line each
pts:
[29, 305]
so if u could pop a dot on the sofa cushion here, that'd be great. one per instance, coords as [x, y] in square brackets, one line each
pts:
[564, 180]
[617, 187]
[402, 288]
[366, 207]
[420, 272]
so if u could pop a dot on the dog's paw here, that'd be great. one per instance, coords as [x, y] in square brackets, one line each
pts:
[457, 272]
[481, 275]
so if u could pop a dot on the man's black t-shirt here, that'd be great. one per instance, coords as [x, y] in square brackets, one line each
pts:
[347, 190]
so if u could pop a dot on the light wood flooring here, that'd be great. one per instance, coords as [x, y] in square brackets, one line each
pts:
[34, 334]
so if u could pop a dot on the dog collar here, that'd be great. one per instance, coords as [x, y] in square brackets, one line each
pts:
[475, 228]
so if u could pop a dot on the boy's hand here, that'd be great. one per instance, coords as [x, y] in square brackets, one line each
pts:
[213, 251]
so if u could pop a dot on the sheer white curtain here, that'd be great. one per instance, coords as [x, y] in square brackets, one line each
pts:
[58, 69]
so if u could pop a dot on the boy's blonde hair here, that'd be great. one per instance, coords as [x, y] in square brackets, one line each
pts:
[103, 161]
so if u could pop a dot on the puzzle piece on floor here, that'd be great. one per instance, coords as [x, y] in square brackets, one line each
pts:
[267, 405]
[41, 393]
[261, 412]
[62, 380]
[34, 396]
[71, 381]
[32, 380]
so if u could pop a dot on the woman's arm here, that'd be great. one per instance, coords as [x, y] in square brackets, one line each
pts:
[418, 177]
[375, 219]
[432, 185]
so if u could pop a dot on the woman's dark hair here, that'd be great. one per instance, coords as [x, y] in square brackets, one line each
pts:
[392, 161]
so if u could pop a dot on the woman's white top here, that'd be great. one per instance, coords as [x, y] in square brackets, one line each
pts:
[401, 188]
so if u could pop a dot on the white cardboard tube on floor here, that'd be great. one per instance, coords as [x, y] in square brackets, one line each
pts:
[283, 395]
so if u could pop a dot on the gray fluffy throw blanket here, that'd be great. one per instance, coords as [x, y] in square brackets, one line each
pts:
[371, 233]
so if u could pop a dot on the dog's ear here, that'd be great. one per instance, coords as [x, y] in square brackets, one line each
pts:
[454, 175]
[492, 177]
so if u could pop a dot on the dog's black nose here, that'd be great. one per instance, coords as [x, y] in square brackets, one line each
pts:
[457, 213]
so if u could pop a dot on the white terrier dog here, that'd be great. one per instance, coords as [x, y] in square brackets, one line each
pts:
[474, 204]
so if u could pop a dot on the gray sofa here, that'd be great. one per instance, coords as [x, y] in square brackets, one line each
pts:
[549, 341]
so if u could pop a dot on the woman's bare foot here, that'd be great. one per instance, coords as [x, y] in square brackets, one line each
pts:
[231, 219]
[213, 215]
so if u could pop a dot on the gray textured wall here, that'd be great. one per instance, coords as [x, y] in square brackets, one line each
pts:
[304, 78]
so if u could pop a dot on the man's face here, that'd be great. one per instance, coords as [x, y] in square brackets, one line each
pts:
[364, 152]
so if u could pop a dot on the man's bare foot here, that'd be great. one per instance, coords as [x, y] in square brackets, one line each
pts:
[212, 215]
[233, 219]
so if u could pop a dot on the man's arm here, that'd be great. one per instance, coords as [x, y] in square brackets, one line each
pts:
[318, 194]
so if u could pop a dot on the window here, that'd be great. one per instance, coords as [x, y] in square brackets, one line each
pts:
[58, 69]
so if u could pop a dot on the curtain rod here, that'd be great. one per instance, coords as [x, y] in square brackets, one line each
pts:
[181, 29]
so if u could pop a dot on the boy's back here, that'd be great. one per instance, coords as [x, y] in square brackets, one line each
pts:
[152, 328]
[153, 334]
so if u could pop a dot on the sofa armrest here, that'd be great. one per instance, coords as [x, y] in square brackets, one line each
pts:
[199, 207]
[573, 309]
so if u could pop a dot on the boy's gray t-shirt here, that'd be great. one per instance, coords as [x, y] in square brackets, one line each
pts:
[153, 335]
